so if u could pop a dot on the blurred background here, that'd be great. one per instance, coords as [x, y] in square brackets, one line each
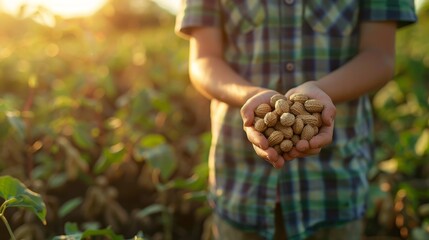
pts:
[98, 116]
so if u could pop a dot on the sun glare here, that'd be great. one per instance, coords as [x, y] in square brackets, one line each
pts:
[65, 8]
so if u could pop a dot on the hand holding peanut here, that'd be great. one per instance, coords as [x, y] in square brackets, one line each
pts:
[286, 121]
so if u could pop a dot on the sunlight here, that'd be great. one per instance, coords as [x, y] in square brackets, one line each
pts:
[75, 8]
[65, 8]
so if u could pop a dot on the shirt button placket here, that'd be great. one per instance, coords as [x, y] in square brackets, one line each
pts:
[289, 66]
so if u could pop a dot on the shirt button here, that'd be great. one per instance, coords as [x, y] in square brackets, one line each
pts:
[289, 2]
[290, 67]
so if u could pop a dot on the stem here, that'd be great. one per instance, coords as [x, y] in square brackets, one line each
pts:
[4, 205]
[8, 227]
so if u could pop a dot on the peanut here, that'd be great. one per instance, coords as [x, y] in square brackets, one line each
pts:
[262, 109]
[286, 121]
[275, 138]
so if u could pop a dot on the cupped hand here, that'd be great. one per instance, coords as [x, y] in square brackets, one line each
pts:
[324, 137]
[258, 140]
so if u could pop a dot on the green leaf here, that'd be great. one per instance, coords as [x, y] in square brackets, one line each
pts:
[20, 196]
[103, 232]
[82, 136]
[162, 158]
[16, 122]
[71, 228]
[422, 144]
[73, 233]
[69, 206]
[152, 140]
[159, 155]
[57, 180]
[111, 155]
[151, 209]
[196, 196]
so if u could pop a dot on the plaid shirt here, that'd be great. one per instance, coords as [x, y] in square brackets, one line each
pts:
[279, 45]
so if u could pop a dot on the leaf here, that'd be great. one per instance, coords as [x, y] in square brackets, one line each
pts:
[82, 136]
[111, 155]
[11, 188]
[69, 206]
[57, 180]
[103, 232]
[71, 228]
[196, 196]
[16, 122]
[152, 140]
[73, 233]
[151, 209]
[74, 160]
[389, 166]
[422, 144]
[160, 155]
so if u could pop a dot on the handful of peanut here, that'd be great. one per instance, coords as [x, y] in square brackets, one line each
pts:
[286, 121]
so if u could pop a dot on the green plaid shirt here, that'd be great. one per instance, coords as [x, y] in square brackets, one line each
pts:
[279, 44]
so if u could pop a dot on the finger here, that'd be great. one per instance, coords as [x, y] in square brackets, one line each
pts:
[256, 138]
[279, 163]
[323, 138]
[302, 145]
[294, 153]
[269, 154]
[290, 92]
[247, 113]
[328, 114]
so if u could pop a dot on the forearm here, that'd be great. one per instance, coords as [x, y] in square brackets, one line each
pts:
[367, 72]
[215, 79]
[372, 67]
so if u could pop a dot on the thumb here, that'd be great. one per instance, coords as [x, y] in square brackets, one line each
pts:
[328, 114]
[247, 114]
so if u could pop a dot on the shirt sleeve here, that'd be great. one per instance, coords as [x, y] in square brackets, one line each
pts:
[401, 11]
[197, 13]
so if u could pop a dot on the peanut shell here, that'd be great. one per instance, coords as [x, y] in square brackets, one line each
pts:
[298, 109]
[278, 149]
[262, 110]
[319, 119]
[295, 139]
[275, 98]
[268, 132]
[313, 105]
[309, 119]
[281, 107]
[298, 97]
[286, 145]
[307, 132]
[298, 126]
[316, 130]
[287, 119]
[260, 125]
[275, 138]
[287, 132]
[270, 119]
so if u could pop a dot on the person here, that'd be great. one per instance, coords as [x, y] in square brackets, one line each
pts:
[244, 52]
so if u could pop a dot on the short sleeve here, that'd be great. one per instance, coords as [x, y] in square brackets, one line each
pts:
[401, 11]
[197, 13]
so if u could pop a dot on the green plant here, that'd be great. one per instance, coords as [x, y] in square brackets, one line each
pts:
[16, 194]
[399, 197]
[73, 233]
[89, 100]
